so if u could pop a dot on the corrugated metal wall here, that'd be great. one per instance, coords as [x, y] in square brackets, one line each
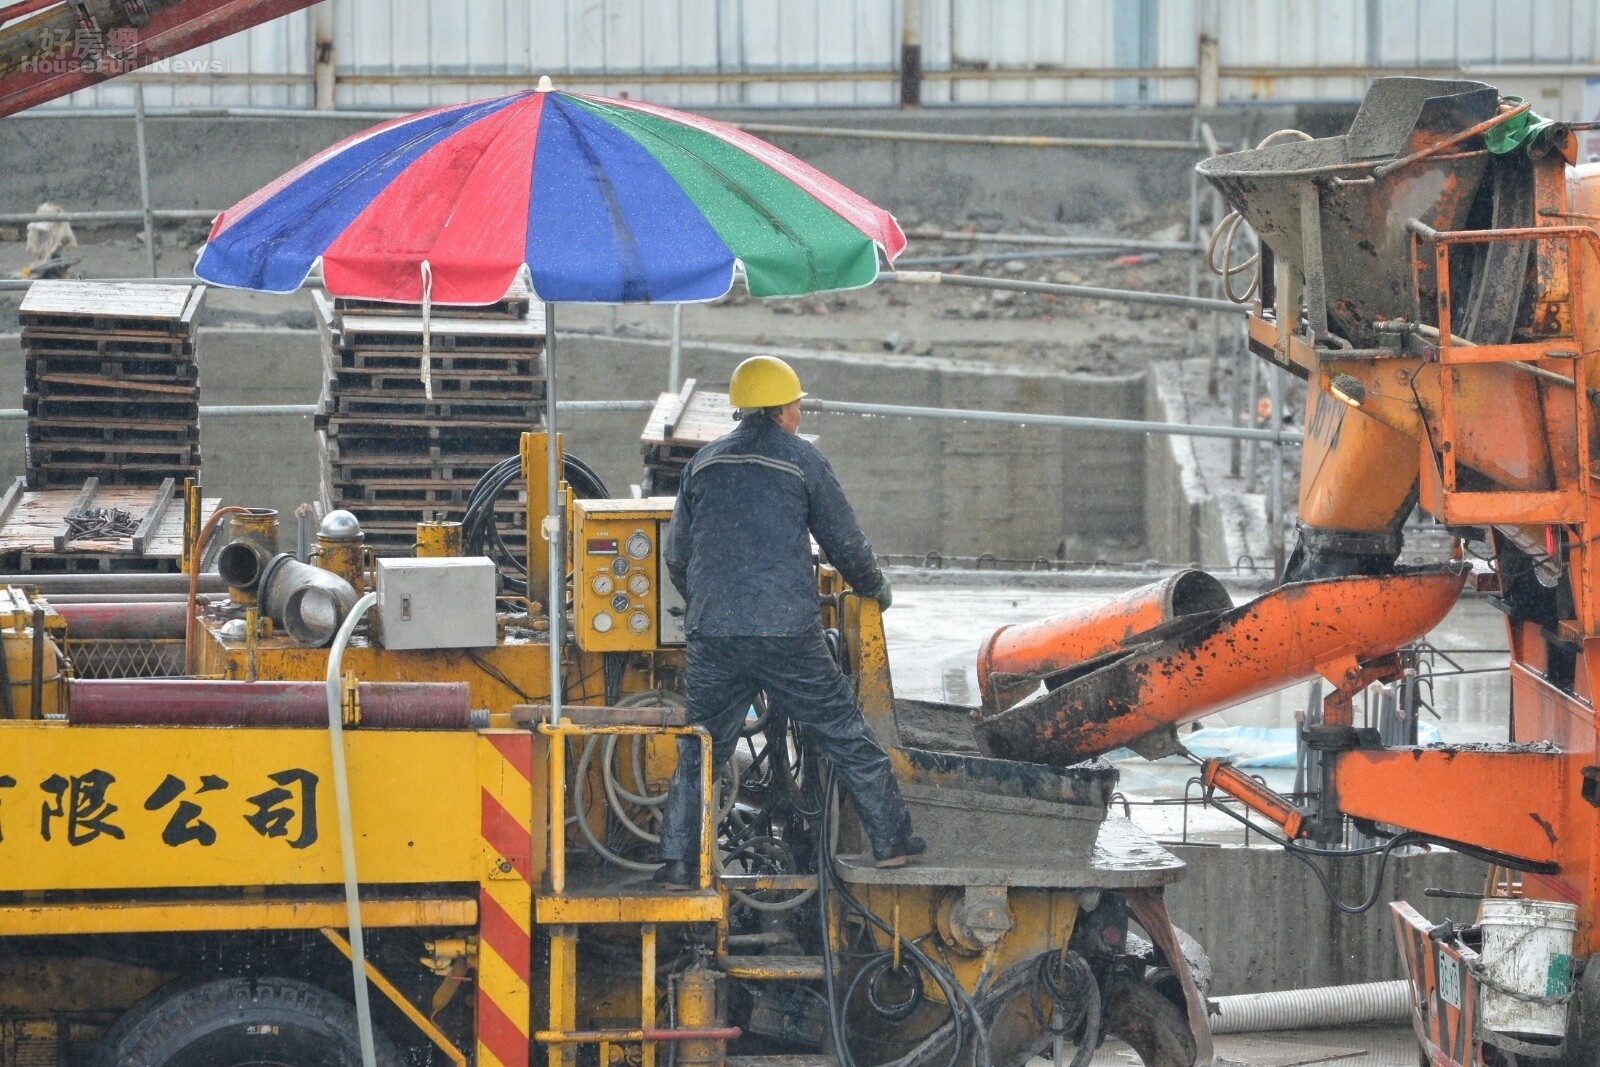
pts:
[408, 53]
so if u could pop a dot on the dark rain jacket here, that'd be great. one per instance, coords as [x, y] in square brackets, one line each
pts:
[739, 546]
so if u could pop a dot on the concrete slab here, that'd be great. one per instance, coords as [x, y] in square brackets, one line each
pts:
[1124, 857]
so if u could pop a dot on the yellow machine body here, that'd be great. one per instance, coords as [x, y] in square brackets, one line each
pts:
[201, 841]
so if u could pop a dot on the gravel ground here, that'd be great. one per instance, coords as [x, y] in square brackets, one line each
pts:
[1020, 329]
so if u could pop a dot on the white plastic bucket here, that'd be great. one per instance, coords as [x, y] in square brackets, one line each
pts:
[1527, 946]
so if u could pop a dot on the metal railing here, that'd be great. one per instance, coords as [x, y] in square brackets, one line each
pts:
[842, 407]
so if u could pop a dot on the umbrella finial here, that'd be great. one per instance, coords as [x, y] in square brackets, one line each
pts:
[545, 85]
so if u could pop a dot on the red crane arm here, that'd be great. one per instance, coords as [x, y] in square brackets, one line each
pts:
[50, 48]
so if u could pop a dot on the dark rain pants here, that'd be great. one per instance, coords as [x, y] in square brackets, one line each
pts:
[803, 682]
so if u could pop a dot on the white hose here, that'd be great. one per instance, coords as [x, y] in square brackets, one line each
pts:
[347, 842]
[1304, 1009]
[729, 793]
[616, 794]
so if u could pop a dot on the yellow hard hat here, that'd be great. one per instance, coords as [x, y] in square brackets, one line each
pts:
[764, 382]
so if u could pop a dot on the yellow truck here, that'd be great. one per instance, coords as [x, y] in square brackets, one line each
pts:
[347, 759]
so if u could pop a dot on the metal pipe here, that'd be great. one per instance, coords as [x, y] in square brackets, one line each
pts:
[124, 620]
[244, 411]
[1066, 422]
[1490, 72]
[209, 582]
[1192, 345]
[324, 94]
[112, 215]
[144, 179]
[1275, 392]
[1132, 243]
[1074, 422]
[555, 610]
[675, 351]
[309, 602]
[1129, 296]
[1252, 405]
[58, 599]
[910, 53]
[37, 697]
[6, 703]
[992, 140]
[211, 702]
[999, 254]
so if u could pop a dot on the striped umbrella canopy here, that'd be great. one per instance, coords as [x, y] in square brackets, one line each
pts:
[602, 200]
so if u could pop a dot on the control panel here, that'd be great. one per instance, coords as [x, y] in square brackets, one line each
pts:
[622, 599]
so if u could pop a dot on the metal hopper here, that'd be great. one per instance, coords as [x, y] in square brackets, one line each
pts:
[1337, 207]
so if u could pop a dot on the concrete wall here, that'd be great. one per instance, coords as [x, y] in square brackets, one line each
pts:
[1267, 924]
[88, 163]
[918, 486]
[1186, 521]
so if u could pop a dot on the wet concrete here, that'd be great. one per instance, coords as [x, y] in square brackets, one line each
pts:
[1373, 1046]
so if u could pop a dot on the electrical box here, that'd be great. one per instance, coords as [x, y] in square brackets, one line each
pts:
[436, 603]
[620, 592]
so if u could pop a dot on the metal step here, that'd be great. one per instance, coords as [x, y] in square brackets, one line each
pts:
[756, 883]
[772, 968]
[794, 1059]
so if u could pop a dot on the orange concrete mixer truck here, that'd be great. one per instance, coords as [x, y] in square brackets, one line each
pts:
[1427, 274]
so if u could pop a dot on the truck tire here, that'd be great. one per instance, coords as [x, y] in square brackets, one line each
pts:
[238, 1022]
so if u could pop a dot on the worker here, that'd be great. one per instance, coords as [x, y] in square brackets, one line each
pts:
[739, 552]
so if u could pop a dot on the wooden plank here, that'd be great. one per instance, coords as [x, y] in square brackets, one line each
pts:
[8, 503]
[152, 516]
[684, 396]
[191, 309]
[690, 418]
[40, 341]
[32, 525]
[64, 535]
[125, 299]
[353, 327]
[115, 385]
[441, 321]
[513, 305]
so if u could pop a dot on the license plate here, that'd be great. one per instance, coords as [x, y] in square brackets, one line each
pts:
[1449, 980]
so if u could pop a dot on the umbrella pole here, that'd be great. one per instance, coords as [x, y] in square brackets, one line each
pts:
[555, 610]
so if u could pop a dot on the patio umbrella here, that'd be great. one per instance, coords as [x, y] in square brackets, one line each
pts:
[599, 200]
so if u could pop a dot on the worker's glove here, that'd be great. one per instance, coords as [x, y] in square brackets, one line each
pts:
[884, 596]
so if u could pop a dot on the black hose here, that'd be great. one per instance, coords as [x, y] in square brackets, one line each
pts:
[481, 533]
[1307, 855]
[964, 1012]
[1086, 1020]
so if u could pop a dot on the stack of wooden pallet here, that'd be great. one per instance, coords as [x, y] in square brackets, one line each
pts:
[396, 458]
[112, 382]
[679, 426]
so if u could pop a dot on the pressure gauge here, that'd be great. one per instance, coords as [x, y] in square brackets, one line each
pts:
[638, 622]
[602, 584]
[638, 545]
[619, 602]
[602, 623]
[639, 584]
[619, 566]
